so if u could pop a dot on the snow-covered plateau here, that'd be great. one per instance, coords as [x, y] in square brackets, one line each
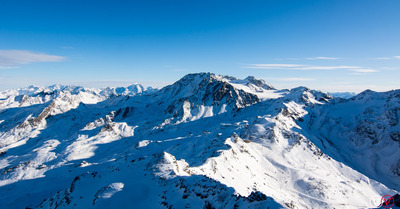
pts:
[206, 141]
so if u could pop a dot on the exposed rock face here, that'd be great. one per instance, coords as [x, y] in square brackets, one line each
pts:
[204, 93]
[259, 83]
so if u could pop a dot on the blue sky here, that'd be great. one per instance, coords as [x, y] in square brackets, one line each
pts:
[331, 45]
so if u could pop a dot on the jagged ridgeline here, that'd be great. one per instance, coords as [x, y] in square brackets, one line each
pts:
[206, 141]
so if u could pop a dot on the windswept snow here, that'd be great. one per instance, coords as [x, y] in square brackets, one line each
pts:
[84, 146]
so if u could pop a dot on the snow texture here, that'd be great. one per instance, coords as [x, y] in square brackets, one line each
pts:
[206, 141]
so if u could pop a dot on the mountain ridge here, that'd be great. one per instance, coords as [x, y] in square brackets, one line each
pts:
[269, 148]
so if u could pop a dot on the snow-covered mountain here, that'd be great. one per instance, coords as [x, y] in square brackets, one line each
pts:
[345, 95]
[75, 94]
[206, 141]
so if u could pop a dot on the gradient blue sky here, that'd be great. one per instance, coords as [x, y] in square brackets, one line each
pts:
[331, 45]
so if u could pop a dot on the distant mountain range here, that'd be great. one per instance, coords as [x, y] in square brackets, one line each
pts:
[345, 95]
[206, 141]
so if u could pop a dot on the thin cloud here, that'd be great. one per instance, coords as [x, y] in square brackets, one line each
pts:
[322, 58]
[298, 67]
[387, 58]
[272, 66]
[364, 70]
[328, 67]
[15, 58]
[295, 79]
[5, 67]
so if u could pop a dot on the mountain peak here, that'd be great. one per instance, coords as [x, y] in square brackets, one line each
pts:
[259, 82]
[203, 95]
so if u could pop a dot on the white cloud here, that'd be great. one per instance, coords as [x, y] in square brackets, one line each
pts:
[295, 79]
[14, 58]
[327, 67]
[323, 58]
[387, 58]
[311, 58]
[364, 70]
[272, 66]
[298, 67]
[5, 67]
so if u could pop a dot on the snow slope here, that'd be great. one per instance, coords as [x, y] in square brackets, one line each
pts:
[363, 132]
[206, 141]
